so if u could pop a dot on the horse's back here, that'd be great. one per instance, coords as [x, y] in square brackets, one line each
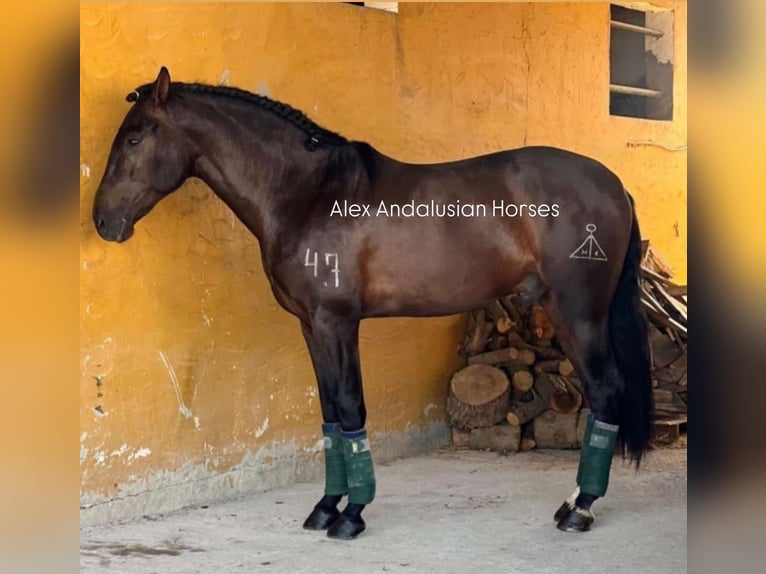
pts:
[436, 263]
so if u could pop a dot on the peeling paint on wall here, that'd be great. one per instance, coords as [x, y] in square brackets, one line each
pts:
[259, 432]
[280, 464]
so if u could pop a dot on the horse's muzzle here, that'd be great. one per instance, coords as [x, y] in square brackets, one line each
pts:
[117, 229]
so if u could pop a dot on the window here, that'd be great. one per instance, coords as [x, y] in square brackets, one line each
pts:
[387, 6]
[641, 63]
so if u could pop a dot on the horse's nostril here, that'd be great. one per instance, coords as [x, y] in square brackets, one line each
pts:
[101, 224]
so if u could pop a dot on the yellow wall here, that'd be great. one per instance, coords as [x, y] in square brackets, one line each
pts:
[199, 372]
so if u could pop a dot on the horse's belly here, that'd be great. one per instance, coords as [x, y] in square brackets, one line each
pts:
[434, 284]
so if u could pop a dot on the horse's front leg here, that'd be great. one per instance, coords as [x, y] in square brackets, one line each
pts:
[326, 512]
[333, 345]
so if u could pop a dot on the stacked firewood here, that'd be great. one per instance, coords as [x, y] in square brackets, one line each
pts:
[520, 391]
[666, 306]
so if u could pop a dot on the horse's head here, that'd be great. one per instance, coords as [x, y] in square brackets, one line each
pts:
[149, 159]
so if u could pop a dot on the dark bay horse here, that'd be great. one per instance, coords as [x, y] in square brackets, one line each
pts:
[347, 233]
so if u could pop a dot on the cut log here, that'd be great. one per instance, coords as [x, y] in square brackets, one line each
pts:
[526, 357]
[679, 365]
[496, 310]
[667, 385]
[656, 276]
[668, 403]
[663, 396]
[555, 430]
[504, 325]
[527, 443]
[677, 307]
[566, 368]
[525, 334]
[667, 410]
[664, 350]
[471, 327]
[479, 397]
[513, 368]
[524, 397]
[522, 411]
[676, 291]
[523, 361]
[545, 385]
[497, 342]
[667, 431]
[548, 366]
[545, 353]
[460, 437]
[477, 333]
[495, 357]
[561, 393]
[498, 438]
[673, 373]
[509, 305]
[522, 381]
[657, 312]
[527, 438]
[567, 399]
[539, 324]
[659, 316]
[653, 260]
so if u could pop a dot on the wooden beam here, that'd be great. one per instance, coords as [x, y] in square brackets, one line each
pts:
[633, 91]
[640, 29]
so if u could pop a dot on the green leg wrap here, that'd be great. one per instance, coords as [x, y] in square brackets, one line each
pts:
[335, 482]
[359, 467]
[596, 456]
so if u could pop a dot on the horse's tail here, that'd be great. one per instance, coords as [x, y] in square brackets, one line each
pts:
[628, 332]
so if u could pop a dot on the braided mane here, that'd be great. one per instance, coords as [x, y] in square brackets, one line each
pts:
[317, 134]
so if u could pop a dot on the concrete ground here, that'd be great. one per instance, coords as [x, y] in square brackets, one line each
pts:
[452, 511]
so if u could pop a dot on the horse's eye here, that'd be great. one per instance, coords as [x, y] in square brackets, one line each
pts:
[132, 141]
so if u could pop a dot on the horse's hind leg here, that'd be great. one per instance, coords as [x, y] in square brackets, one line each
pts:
[333, 345]
[583, 333]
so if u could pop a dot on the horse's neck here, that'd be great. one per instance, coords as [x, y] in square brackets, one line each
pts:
[249, 177]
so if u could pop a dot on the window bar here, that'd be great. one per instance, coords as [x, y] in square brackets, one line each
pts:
[639, 29]
[633, 91]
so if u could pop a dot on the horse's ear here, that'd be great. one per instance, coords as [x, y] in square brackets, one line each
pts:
[161, 86]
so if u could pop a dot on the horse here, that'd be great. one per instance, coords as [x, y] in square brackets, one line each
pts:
[347, 233]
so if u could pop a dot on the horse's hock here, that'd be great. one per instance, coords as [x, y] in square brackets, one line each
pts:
[519, 390]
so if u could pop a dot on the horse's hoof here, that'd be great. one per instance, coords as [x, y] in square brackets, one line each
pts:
[575, 520]
[321, 518]
[346, 527]
[562, 511]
